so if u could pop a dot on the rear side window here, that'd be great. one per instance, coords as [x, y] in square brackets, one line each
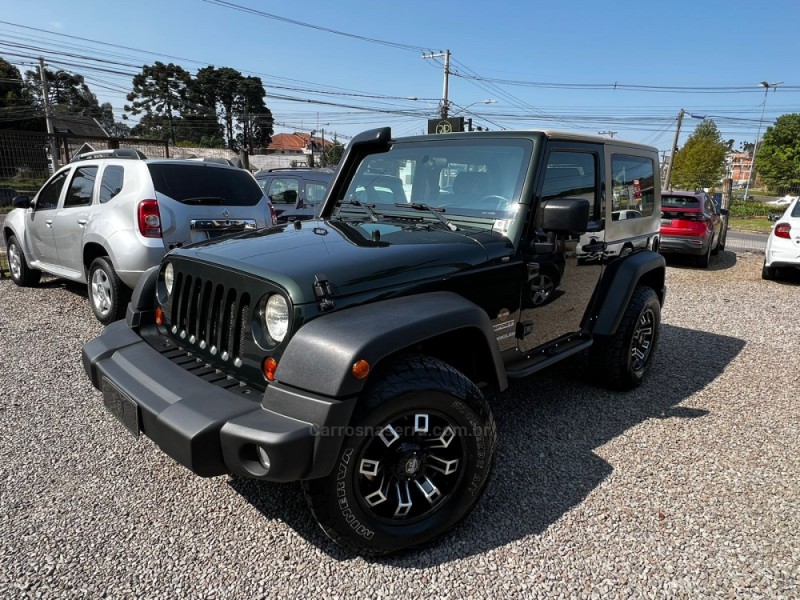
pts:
[796, 209]
[111, 183]
[315, 192]
[284, 190]
[633, 178]
[205, 184]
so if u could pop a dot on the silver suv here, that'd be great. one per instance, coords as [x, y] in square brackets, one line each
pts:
[104, 221]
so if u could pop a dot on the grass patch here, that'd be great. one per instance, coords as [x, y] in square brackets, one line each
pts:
[754, 225]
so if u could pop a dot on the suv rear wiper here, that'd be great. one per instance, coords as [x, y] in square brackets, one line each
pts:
[204, 200]
[436, 212]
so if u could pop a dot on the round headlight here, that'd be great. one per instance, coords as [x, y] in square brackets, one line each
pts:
[276, 316]
[169, 277]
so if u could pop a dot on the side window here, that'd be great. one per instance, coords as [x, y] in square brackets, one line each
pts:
[633, 183]
[80, 190]
[48, 197]
[111, 183]
[572, 175]
[315, 192]
[283, 190]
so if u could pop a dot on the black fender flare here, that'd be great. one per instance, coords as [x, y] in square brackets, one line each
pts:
[619, 281]
[142, 299]
[320, 357]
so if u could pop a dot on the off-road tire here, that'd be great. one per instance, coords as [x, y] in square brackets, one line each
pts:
[407, 391]
[108, 296]
[622, 360]
[21, 273]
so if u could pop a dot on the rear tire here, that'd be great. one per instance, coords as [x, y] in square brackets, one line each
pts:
[21, 273]
[702, 261]
[108, 296]
[768, 273]
[622, 360]
[416, 462]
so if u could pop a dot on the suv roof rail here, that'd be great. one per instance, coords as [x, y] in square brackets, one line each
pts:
[326, 169]
[115, 153]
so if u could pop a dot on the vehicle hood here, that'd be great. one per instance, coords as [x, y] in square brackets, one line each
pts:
[350, 255]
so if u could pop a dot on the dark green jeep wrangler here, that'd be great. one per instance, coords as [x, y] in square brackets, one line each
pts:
[350, 352]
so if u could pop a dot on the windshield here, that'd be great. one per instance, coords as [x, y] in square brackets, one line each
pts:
[457, 183]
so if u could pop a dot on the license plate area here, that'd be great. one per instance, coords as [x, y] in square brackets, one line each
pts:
[119, 404]
[666, 221]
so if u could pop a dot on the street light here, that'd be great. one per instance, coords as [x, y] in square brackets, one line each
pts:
[766, 87]
[467, 107]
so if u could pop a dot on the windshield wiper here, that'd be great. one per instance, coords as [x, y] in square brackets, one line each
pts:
[204, 200]
[367, 207]
[436, 212]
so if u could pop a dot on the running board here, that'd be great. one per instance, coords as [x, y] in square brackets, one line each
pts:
[540, 359]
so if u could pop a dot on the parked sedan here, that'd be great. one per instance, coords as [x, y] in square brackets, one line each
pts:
[783, 245]
[691, 224]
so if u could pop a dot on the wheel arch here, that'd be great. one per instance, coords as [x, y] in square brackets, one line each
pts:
[91, 251]
[618, 284]
[319, 358]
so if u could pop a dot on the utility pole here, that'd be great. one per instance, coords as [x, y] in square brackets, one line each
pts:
[766, 87]
[48, 117]
[443, 109]
[674, 150]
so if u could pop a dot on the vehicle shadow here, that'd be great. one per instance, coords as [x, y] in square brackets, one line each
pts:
[549, 426]
[726, 259]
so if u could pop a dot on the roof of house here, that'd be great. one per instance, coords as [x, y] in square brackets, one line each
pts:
[78, 125]
[296, 141]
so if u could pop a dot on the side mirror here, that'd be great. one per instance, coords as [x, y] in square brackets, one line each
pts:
[21, 202]
[566, 215]
[724, 212]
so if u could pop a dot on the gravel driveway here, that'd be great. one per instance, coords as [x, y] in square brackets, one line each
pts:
[689, 486]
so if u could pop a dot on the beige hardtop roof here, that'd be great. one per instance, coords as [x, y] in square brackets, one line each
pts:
[554, 134]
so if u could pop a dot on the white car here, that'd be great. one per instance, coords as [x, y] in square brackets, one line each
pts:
[787, 199]
[783, 245]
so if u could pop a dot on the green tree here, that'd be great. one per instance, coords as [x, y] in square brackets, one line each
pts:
[17, 109]
[333, 154]
[778, 160]
[107, 121]
[238, 102]
[68, 93]
[161, 94]
[701, 161]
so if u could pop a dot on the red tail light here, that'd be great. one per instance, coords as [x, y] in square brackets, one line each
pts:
[149, 219]
[782, 230]
[272, 214]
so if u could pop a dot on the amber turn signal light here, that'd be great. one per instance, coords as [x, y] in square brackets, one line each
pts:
[269, 367]
[159, 316]
[361, 369]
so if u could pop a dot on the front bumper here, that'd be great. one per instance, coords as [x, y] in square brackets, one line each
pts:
[209, 423]
[683, 245]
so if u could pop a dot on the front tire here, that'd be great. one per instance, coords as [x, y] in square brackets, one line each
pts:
[623, 359]
[108, 296]
[21, 273]
[415, 462]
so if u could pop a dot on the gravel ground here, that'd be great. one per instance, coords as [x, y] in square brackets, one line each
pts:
[686, 487]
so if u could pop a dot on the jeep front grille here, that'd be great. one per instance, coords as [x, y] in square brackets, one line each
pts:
[210, 316]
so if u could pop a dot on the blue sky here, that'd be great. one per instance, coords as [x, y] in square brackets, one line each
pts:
[541, 64]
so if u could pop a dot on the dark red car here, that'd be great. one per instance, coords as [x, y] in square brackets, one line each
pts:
[691, 223]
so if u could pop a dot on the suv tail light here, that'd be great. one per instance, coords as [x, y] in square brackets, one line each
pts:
[149, 219]
[272, 214]
[695, 217]
[782, 230]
